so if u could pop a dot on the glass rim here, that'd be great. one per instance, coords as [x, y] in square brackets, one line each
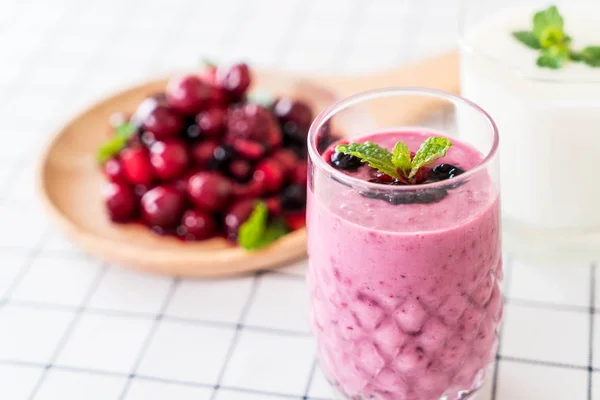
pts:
[466, 45]
[361, 97]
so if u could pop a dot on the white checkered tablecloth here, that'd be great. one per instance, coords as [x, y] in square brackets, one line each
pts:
[72, 328]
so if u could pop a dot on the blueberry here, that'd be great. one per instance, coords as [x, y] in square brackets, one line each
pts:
[346, 162]
[293, 134]
[293, 198]
[222, 156]
[444, 171]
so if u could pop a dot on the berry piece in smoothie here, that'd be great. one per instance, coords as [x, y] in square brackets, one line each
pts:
[442, 172]
[346, 162]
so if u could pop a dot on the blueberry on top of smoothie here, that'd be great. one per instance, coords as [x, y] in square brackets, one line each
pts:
[346, 162]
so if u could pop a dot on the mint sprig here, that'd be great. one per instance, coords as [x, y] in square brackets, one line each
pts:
[257, 232]
[549, 38]
[398, 163]
[113, 146]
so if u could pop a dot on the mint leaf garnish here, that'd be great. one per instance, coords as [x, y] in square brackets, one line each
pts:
[430, 150]
[591, 56]
[398, 163]
[376, 156]
[256, 232]
[548, 35]
[548, 27]
[401, 158]
[554, 57]
[528, 38]
[112, 147]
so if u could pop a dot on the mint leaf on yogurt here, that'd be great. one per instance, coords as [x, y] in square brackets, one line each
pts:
[528, 38]
[548, 36]
[401, 158]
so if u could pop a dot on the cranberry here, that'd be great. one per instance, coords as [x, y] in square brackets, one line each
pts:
[217, 97]
[120, 201]
[270, 173]
[248, 149]
[209, 191]
[421, 175]
[140, 190]
[113, 170]
[202, 153]
[273, 205]
[169, 158]
[162, 207]
[255, 123]
[161, 121]
[381, 177]
[187, 94]
[136, 165]
[211, 122]
[295, 221]
[289, 110]
[237, 214]
[300, 174]
[293, 198]
[234, 79]
[250, 190]
[196, 225]
[240, 170]
[287, 158]
[181, 183]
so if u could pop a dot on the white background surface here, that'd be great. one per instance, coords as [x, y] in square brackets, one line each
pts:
[72, 328]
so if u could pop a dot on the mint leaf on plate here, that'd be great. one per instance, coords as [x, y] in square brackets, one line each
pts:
[376, 156]
[430, 150]
[256, 232]
[113, 146]
[528, 38]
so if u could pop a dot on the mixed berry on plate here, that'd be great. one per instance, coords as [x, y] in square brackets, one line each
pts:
[205, 160]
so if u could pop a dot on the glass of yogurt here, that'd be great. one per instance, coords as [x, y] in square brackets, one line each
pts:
[549, 120]
[404, 269]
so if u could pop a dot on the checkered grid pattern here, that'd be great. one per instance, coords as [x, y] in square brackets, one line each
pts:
[72, 328]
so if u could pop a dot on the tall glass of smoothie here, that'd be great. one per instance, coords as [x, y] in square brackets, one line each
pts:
[536, 69]
[404, 261]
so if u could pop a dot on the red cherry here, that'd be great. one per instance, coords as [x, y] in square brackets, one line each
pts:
[234, 79]
[120, 201]
[161, 121]
[113, 170]
[196, 225]
[250, 190]
[299, 175]
[290, 110]
[135, 162]
[212, 122]
[188, 94]
[237, 214]
[287, 158]
[295, 221]
[169, 158]
[162, 207]
[240, 170]
[273, 205]
[270, 173]
[248, 149]
[209, 191]
[202, 153]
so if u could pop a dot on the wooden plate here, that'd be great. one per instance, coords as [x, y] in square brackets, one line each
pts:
[69, 177]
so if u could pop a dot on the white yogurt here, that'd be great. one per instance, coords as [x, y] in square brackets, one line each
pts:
[549, 121]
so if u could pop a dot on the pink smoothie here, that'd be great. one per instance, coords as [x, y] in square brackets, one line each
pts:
[405, 298]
